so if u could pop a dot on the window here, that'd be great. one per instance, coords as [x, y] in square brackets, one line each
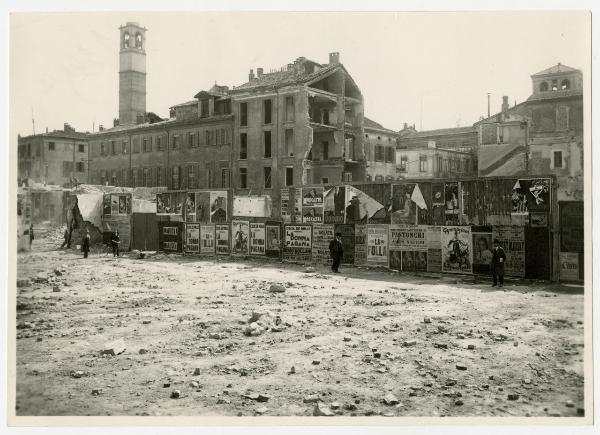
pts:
[81, 148]
[175, 177]
[102, 149]
[440, 164]
[147, 177]
[67, 168]
[562, 118]
[175, 145]
[145, 147]
[267, 177]
[289, 176]
[159, 143]
[243, 146]
[389, 154]
[348, 177]
[243, 114]
[191, 139]
[267, 143]
[210, 178]
[379, 153]
[28, 150]
[160, 176]
[80, 167]
[403, 163]
[243, 178]
[423, 164]
[204, 109]
[555, 85]
[124, 147]
[289, 142]
[225, 177]
[558, 160]
[136, 145]
[325, 180]
[543, 86]
[565, 84]
[267, 109]
[51, 146]
[217, 137]
[289, 109]
[207, 137]
[38, 150]
[114, 178]
[325, 150]
[113, 147]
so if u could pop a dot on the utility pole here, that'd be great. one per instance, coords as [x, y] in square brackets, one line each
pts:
[488, 95]
[32, 120]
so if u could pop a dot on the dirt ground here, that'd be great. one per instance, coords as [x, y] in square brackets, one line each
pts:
[364, 342]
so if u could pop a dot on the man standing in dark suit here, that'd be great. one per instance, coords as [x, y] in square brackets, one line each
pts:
[336, 251]
[498, 258]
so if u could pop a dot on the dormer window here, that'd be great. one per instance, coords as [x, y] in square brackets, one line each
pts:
[126, 40]
[138, 40]
[565, 84]
[544, 87]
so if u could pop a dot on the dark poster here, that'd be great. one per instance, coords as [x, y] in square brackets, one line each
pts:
[482, 252]
[348, 240]
[106, 205]
[190, 207]
[203, 207]
[170, 236]
[531, 196]
[395, 259]
[571, 226]
[163, 203]
[273, 248]
[404, 208]
[218, 206]
[437, 194]
[334, 205]
[451, 198]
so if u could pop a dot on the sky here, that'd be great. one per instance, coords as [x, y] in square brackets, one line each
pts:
[433, 70]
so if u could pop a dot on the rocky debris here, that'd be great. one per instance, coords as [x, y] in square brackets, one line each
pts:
[197, 371]
[77, 374]
[292, 370]
[461, 366]
[409, 343]
[309, 269]
[143, 351]
[96, 391]
[335, 405]
[195, 384]
[513, 396]
[569, 404]
[321, 410]
[471, 346]
[23, 283]
[276, 288]
[390, 399]
[56, 289]
[313, 398]
[259, 323]
[261, 410]
[114, 348]
[440, 345]
[175, 394]
[256, 396]
[458, 402]
[146, 322]
[350, 407]
[426, 320]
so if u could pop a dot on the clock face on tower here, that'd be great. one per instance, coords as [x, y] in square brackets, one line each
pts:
[126, 40]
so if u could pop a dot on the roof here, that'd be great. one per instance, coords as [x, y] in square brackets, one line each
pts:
[289, 76]
[126, 127]
[369, 124]
[187, 103]
[59, 134]
[556, 94]
[556, 69]
[442, 132]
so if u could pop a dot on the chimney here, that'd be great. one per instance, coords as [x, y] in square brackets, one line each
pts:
[259, 72]
[251, 75]
[139, 119]
[405, 126]
[67, 127]
[46, 129]
[100, 127]
[504, 104]
[334, 58]
[115, 122]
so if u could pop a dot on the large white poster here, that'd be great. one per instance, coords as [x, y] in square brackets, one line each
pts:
[377, 245]
[257, 238]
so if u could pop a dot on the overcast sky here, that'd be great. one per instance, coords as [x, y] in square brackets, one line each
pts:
[429, 69]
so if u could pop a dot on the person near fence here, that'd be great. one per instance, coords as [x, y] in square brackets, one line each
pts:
[31, 236]
[67, 241]
[336, 251]
[85, 244]
[115, 242]
[498, 258]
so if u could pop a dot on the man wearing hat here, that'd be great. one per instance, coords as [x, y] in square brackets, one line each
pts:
[336, 251]
[498, 259]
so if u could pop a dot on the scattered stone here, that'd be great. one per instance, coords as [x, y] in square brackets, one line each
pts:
[461, 367]
[308, 336]
[23, 283]
[313, 398]
[257, 397]
[569, 404]
[320, 410]
[143, 351]
[195, 384]
[409, 343]
[527, 381]
[513, 397]
[114, 348]
[440, 345]
[458, 402]
[347, 339]
[516, 343]
[146, 322]
[377, 355]
[77, 374]
[38, 339]
[175, 394]
[390, 399]
[96, 391]
[450, 382]
[197, 371]
[260, 410]
[292, 370]
[309, 269]
[471, 346]
[335, 405]
[276, 288]
[166, 385]
[350, 407]
[316, 362]
[56, 289]
[426, 320]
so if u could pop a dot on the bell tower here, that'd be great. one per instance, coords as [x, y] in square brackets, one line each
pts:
[132, 73]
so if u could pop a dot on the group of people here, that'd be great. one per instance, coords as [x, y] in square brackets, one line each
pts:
[86, 242]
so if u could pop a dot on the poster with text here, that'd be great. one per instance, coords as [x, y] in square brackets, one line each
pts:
[240, 234]
[482, 252]
[434, 248]
[207, 239]
[360, 245]
[395, 262]
[286, 213]
[569, 266]
[218, 207]
[190, 207]
[334, 205]
[297, 243]
[257, 238]
[347, 232]
[222, 239]
[122, 205]
[203, 207]
[177, 202]
[297, 208]
[512, 239]
[114, 205]
[451, 198]
[163, 203]
[170, 237]
[192, 238]
[377, 245]
[408, 237]
[457, 252]
[273, 248]
[322, 235]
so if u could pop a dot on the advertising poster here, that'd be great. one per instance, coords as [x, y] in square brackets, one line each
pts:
[434, 248]
[322, 235]
[451, 198]
[240, 234]
[114, 205]
[273, 248]
[407, 244]
[457, 252]
[334, 205]
[512, 239]
[347, 231]
[218, 207]
[482, 252]
[437, 194]
[222, 239]
[163, 203]
[312, 205]
[395, 262]
[170, 236]
[192, 238]
[286, 213]
[177, 202]
[297, 209]
[190, 207]
[531, 195]
[207, 239]
[359, 206]
[257, 238]
[377, 245]
[571, 226]
[360, 245]
[106, 205]
[297, 242]
[404, 210]
[569, 266]
[203, 207]
[122, 204]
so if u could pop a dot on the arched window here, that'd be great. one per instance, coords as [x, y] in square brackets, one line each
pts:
[543, 87]
[565, 84]
[126, 40]
[138, 40]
